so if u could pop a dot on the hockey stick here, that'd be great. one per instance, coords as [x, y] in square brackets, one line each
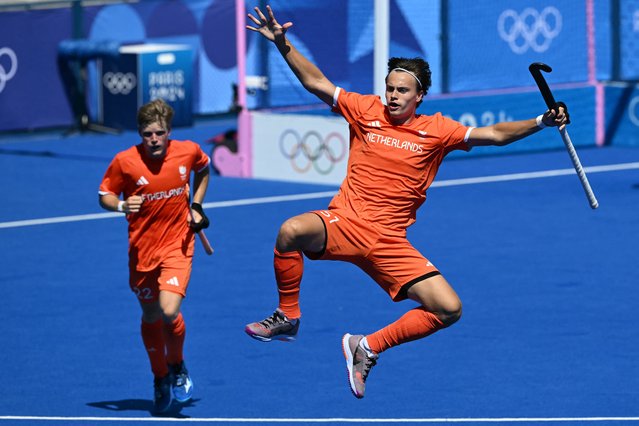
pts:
[208, 248]
[535, 69]
[205, 241]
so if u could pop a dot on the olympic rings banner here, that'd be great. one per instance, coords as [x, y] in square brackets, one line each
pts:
[300, 148]
[513, 35]
[314, 149]
[487, 45]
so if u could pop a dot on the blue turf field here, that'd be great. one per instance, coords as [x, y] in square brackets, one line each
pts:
[550, 329]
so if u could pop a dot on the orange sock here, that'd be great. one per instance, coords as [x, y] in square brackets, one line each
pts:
[289, 267]
[174, 334]
[413, 325]
[153, 338]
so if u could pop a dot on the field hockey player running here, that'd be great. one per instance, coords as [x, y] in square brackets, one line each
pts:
[153, 178]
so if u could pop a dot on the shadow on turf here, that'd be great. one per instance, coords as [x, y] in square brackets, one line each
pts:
[143, 405]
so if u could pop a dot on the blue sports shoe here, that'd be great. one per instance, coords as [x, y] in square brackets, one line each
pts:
[182, 383]
[162, 393]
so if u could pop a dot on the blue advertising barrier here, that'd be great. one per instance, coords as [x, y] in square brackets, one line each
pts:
[31, 93]
[142, 73]
[491, 108]
[513, 35]
[629, 39]
[622, 114]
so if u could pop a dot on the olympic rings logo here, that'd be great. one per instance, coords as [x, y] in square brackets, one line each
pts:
[13, 68]
[633, 109]
[119, 83]
[530, 30]
[312, 150]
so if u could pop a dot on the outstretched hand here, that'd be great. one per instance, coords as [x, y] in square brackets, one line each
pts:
[269, 28]
[557, 116]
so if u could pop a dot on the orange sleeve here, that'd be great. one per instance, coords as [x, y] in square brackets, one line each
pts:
[201, 161]
[113, 180]
[351, 105]
[453, 134]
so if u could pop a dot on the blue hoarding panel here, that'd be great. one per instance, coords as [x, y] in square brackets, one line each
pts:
[477, 111]
[492, 43]
[31, 92]
[622, 115]
[629, 39]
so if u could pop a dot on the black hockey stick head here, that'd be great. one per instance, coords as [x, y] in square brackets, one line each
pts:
[535, 69]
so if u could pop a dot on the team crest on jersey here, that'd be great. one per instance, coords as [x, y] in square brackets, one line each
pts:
[182, 170]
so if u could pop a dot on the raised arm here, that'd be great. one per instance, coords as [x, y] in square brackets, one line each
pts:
[501, 134]
[307, 73]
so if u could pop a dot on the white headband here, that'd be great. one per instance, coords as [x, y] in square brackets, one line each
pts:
[406, 71]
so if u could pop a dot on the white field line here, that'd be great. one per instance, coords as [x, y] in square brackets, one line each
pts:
[328, 194]
[323, 420]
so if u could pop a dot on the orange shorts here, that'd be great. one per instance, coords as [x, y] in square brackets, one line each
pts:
[172, 274]
[392, 262]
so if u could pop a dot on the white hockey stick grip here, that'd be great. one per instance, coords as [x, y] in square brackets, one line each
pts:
[578, 168]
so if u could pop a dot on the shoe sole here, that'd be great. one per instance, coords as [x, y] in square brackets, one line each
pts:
[346, 349]
[268, 339]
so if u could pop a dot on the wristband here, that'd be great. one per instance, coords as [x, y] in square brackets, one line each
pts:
[540, 121]
[121, 206]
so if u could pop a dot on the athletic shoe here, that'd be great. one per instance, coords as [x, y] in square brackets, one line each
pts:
[358, 363]
[277, 327]
[182, 383]
[162, 393]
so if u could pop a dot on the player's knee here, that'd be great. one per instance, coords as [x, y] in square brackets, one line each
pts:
[289, 235]
[170, 314]
[451, 314]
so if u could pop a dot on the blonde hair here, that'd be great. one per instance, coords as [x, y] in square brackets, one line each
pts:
[156, 111]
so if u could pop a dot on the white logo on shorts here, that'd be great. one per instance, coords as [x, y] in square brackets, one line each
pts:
[173, 281]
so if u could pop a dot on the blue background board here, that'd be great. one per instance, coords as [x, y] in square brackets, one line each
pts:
[34, 97]
[550, 32]
[603, 40]
[622, 115]
[629, 28]
[549, 288]
[470, 46]
[476, 111]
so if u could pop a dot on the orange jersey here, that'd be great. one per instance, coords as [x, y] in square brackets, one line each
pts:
[391, 167]
[161, 225]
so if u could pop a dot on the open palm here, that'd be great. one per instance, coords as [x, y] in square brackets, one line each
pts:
[269, 28]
